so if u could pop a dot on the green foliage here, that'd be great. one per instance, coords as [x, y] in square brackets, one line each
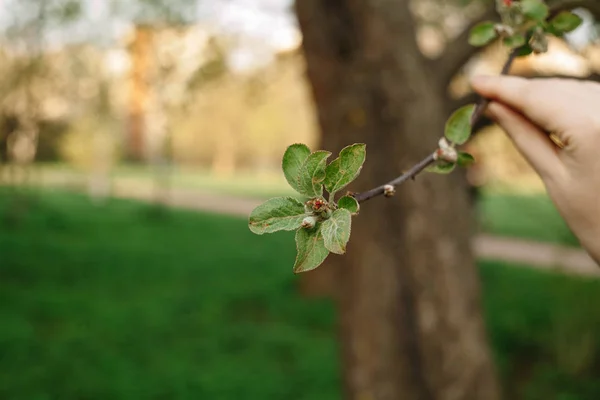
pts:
[536, 10]
[483, 34]
[322, 226]
[344, 169]
[349, 203]
[515, 41]
[524, 50]
[336, 231]
[441, 167]
[293, 158]
[465, 159]
[458, 126]
[312, 174]
[325, 226]
[310, 246]
[565, 22]
[278, 214]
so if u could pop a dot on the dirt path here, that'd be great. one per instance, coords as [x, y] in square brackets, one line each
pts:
[543, 256]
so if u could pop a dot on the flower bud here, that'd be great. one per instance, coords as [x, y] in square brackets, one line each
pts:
[389, 190]
[309, 222]
[449, 154]
[443, 143]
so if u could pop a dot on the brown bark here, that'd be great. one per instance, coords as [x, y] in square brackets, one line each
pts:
[411, 322]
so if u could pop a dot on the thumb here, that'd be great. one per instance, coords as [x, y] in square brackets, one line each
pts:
[530, 140]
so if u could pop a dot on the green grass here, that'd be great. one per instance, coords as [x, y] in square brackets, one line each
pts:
[241, 184]
[527, 217]
[531, 217]
[128, 301]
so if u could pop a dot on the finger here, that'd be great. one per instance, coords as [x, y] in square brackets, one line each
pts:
[535, 146]
[540, 101]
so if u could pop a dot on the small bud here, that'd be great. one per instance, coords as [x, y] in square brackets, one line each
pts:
[450, 154]
[389, 190]
[443, 143]
[504, 30]
[309, 222]
[318, 204]
[539, 41]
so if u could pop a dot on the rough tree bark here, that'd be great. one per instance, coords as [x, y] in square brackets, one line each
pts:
[411, 321]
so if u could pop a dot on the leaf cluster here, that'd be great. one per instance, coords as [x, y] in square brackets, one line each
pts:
[457, 132]
[322, 225]
[525, 26]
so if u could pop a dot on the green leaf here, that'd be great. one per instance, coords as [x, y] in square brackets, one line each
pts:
[524, 50]
[336, 231]
[441, 167]
[293, 158]
[278, 214]
[311, 249]
[312, 174]
[465, 159]
[551, 30]
[349, 203]
[345, 168]
[516, 40]
[535, 9]
[458, 126]
[565, 22]
[482, 34]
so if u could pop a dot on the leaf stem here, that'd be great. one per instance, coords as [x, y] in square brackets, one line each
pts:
[430, 159]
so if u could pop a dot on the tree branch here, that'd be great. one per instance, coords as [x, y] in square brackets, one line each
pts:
[459, 51]
[430, 159]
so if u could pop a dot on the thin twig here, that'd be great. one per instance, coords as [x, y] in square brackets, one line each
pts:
[430, 159]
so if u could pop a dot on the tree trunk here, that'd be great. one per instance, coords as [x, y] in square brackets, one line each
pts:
[411, 322]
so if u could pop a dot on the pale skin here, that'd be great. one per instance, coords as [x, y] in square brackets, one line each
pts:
[528, 110]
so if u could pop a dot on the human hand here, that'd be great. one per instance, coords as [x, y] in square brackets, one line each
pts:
[528, 110]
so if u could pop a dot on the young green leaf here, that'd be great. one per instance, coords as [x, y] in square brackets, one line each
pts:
[293, 158]
[278, 214]
[311, 249]
[336, 231]
[349, 203]
[465, 159]
[312, 174]
[565, 22]
[516, 40]
[524, 50]
[345, 168]
[535, 9]
[441, 167]
[458, 126]
[482, 34]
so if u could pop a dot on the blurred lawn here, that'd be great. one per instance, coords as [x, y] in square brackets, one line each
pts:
[129, 301]
[532, 217]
